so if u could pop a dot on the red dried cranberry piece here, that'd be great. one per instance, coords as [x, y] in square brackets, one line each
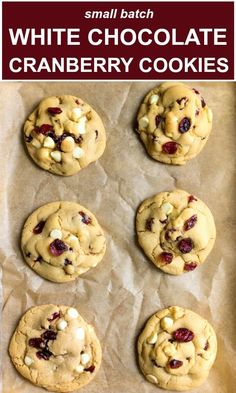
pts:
[49, 335]
[206, 346]
[28, 139]
[188, 267]
[90, 368]
[57, 247]
[196, 91]
[44, 354]
[44, 129]
[185, 245]
[54, 111]
[184, 125]
[166, 257]
[170, 147]
[38, 228]
[36, 343]
[55, 315]
[190, 222]
[203, 102]
[174, 363]
[85, 218]
[158, 120]
[183, 335]
[149, 224]
[191, 198]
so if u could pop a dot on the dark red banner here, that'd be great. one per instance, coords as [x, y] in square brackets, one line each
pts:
[118, 40]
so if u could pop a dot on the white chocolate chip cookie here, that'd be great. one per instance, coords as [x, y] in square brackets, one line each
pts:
[182, 354]
[176, 231]
[174, 123]
[62, 240]
[46, 349]
[64, 134]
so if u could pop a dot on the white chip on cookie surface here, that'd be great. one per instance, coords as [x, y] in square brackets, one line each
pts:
[80, 334]
[72, 238]
[79, 369]
[154, 99]
[36, 143]
[78, 152]
[167, 208]
[151, 378]
[152, 339]
[56, 155]
[76, 113]
[61, 324]
[72, 313]
[143, 122]
[166, 323]
[28, 361]
[85, 358]
[56, 234]
[49, 142]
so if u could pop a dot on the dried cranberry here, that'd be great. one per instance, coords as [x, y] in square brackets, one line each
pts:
[44, 129]
[55, 315]
[67, 262]
[28, 139]
[49, 335]
[188, 267]
[203, 103]
[85, 218]
[149, 224]
[158, 120]
[196, 91]
[183, 335]
[166, 257]
[185, 245]
[38, 228]
[54, 111]
[170, 147]
[206, 346]
[191, 198]
[190, 222]
[174, 363]
[57, 247]
[90, 368]
[36, 343]
[184, 125]
[44, 354]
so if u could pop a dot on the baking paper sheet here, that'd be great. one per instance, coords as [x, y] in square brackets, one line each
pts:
[119, 295]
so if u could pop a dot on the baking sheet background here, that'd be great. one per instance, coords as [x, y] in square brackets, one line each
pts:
[125, 289]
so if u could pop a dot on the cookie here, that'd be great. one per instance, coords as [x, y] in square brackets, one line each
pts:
[64, 134]
[176, 231]
[55, 348]
[177, 349]
[174, 123]
[62, 240]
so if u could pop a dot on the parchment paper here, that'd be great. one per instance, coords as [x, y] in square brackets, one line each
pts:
[125, 289]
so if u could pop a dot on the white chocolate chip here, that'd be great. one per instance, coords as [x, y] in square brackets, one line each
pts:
[72, 238]
[78, 152]
[143, 122]
[56, 234]
[76, 113]
[80, 333]
[167, 208]
[151, 378]
[36, 143]
[61, 324]
[56, 155]
[79, 369]
[81, 125]
[49, 142]
[72, 313]
[85, 358]
[166, 323]
[68, 144]
[152, 339]
[28, 361]
[154, 99]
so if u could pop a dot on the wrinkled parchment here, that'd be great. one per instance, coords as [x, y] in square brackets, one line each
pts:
[125, 289]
